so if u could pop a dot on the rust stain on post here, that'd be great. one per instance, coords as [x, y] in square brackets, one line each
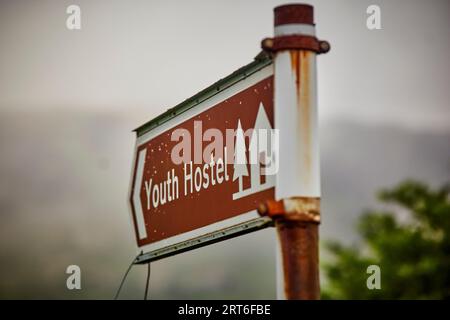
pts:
[295, 66]
[304, 100]
[300, 252]
[300, 66]
[297, 221]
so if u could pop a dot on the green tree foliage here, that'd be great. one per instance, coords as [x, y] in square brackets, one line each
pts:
[410, 244]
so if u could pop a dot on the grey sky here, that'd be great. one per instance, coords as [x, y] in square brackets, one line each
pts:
[145, 56]
[69, 100]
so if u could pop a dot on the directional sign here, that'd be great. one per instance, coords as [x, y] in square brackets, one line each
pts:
[202, 168]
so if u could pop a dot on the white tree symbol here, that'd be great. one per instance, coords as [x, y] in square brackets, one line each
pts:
[240, 157]
[261, 152]
[259, 146]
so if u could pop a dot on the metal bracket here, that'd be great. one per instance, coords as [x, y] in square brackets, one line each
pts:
[306, 209]
[295, 42]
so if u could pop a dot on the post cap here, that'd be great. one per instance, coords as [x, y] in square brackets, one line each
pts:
[294, 14]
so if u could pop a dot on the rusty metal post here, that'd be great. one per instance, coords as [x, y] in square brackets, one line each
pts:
[297, 222]
[296, 209]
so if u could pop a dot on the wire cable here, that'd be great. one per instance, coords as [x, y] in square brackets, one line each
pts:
[123, 279]
[147, 283]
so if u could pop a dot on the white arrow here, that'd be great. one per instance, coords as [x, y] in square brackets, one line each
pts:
[142, 231]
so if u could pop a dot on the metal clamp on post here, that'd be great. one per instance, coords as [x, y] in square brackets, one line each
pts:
[304, 209]
[295, 42]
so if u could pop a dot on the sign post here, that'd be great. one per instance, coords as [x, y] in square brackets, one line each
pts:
[239, 156]
[296, 207]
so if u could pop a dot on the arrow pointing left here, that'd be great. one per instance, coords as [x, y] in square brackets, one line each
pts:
[142, 231]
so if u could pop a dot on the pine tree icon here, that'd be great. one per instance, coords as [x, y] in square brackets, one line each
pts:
[260, 153]
[240, 157]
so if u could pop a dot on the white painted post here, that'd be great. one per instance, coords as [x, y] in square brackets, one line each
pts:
[298, 180]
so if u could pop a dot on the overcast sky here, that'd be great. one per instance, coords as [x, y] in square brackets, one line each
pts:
[69, 100]
[145, 56]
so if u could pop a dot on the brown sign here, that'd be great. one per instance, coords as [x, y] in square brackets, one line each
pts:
[201, 172]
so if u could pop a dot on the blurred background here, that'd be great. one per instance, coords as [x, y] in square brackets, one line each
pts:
[69, 100]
